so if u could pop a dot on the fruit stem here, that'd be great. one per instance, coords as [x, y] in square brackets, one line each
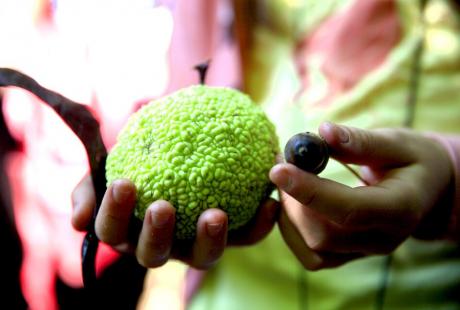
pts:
[202, 68]
[356, 174]
[84, 124]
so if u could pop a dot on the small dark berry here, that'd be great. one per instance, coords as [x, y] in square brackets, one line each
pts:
[307, 151]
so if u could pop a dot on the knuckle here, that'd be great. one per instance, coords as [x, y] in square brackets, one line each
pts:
[410, 205]
[300, 188]
[353, 215]
[307, 197]
[108, 230]
[348, 219]
[155, 246]
[364, 142]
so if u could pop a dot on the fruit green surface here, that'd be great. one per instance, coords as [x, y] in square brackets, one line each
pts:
[201, 147]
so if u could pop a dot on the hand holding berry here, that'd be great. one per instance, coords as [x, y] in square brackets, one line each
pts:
[327, 224]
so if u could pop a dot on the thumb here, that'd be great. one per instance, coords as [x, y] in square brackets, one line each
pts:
[375, 148]
[83, 203]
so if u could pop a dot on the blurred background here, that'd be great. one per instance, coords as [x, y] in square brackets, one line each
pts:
[113, 56]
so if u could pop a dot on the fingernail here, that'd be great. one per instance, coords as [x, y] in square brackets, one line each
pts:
[159, 219]
[120, 192]
[342, 134]
[214, 229]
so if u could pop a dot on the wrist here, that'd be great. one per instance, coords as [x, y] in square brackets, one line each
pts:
[450, 202]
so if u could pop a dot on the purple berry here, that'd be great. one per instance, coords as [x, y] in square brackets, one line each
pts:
[307, 151]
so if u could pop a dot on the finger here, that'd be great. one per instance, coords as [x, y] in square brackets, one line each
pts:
[83, 202]
[307, 257]
[323, 236]
[156, 238]
[310, 259]
[390, 204]
[113, 219]
[259, 227]
[211, 238]
[378, 147]
[368, 242]
[332, 260]
[314, 192]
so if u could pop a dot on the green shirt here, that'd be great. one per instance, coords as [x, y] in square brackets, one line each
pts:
[419, 274]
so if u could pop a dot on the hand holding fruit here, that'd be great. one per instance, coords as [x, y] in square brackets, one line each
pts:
[327, 224]
[192, 166]
[152, 241]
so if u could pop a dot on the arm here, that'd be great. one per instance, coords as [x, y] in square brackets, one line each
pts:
[452, 146]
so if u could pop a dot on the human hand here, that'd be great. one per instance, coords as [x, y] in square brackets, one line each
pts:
[152, 241]
[327, 224]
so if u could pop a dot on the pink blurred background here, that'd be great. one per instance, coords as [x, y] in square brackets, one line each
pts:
[113, 56]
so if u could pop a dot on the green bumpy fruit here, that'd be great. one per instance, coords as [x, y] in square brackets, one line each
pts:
[199, 148]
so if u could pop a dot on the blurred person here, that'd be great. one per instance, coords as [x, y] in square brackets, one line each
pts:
[349, 62]
[388, 71]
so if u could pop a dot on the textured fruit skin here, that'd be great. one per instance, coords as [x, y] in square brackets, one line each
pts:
[307, 151]
[201, 147]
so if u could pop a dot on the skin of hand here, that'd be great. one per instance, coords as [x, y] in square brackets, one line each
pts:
[152, 240]
[327, 224]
